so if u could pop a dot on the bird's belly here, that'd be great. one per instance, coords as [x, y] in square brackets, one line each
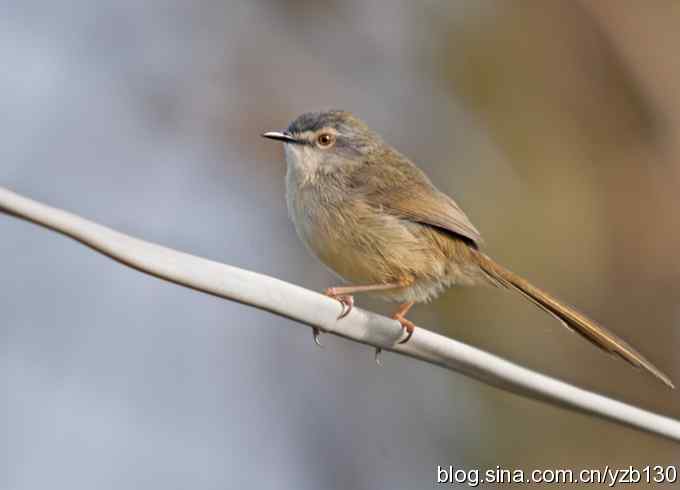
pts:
[365, 247]
[366, 262]
[344, 251]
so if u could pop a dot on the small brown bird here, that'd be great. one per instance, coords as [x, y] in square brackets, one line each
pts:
[378, 222]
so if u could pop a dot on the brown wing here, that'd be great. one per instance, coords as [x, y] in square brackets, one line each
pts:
[434, 208]
[403, 190]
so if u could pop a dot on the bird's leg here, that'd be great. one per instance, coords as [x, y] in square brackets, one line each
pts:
[344, 294]
[400, 316]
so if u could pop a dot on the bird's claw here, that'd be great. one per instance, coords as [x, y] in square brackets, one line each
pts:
[378, 351]
[347, 304]
[317, 333]
[407, 325]
[346, 300]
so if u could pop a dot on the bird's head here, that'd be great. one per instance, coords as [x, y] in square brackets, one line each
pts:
[326, 141]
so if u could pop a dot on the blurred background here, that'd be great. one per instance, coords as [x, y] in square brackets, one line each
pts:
[555, 124]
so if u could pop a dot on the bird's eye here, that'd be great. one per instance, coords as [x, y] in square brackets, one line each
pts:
[325, 140]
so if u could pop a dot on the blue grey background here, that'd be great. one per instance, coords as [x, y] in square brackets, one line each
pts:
[146, 117]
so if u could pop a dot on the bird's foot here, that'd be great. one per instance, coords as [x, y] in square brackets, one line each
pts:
[407, 325]
[346, 300]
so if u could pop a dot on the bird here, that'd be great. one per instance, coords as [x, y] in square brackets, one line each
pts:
[378, 222]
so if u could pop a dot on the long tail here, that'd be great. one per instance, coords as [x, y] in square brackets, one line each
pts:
[571, 318]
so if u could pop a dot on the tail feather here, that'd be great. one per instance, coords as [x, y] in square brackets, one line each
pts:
[569, 317]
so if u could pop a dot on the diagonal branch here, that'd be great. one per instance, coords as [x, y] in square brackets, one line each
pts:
[320, 312]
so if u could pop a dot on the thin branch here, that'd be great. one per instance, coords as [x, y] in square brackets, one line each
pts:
[320, 312]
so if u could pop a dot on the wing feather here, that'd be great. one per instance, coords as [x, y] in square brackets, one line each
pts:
[403, 190]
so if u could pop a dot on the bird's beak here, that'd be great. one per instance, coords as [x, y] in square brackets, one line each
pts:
[280, 136]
